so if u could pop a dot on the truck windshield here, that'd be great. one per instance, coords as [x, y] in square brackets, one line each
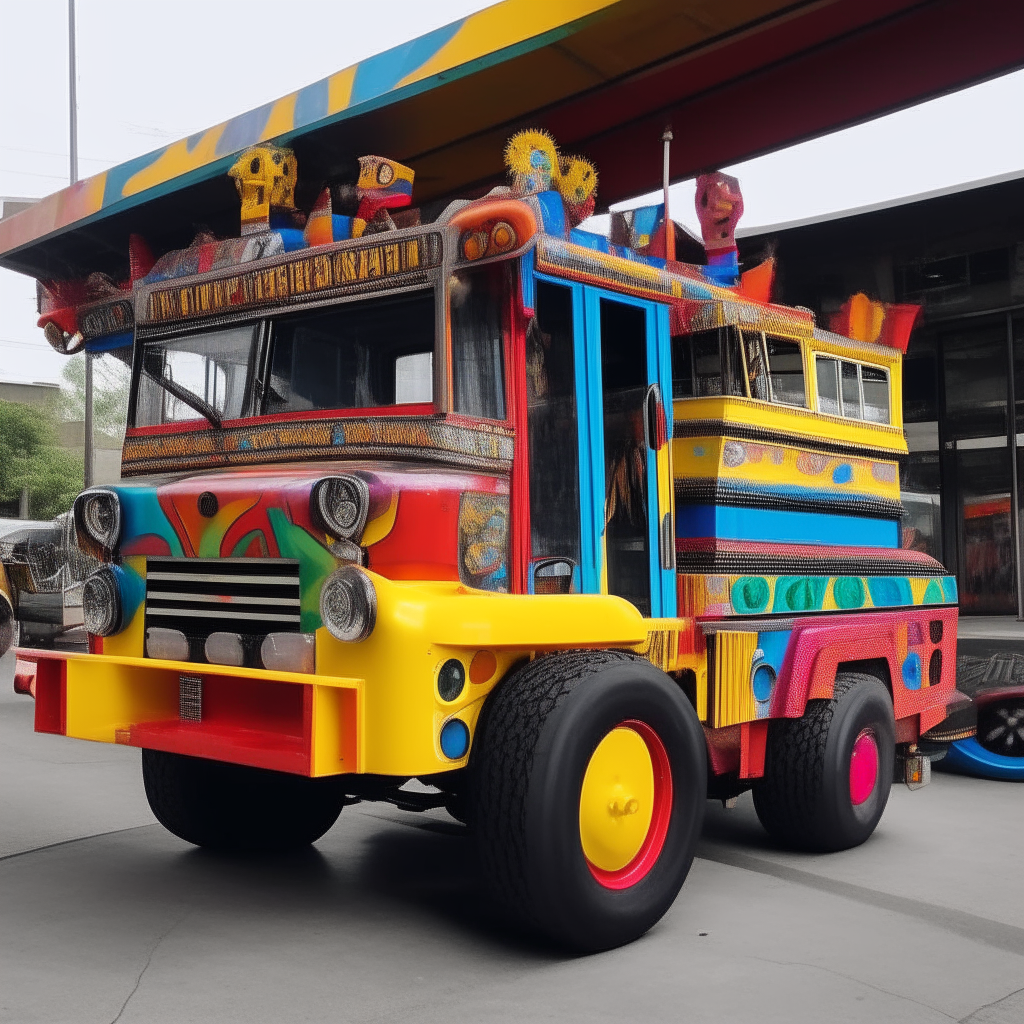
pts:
[359, 355]
[196, 375]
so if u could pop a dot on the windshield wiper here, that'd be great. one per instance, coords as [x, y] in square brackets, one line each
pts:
[190, 398]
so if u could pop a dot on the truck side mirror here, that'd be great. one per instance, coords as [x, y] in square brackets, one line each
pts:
[553, 576]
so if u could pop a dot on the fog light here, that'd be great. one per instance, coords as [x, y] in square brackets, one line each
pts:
[166, 644]
[101, 602]
[451, 679]
[225, 649]
[454, 739]
[289, 652]
[348, 604]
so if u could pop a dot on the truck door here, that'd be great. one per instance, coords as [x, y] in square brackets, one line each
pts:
[626, 350]
[598, 373]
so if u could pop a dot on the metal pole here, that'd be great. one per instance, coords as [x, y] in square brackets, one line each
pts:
[670, 230]
[88, 458]
[72, 91]
[1011, 388]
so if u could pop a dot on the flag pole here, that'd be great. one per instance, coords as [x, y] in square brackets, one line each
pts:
[670, 231]
[88, 457]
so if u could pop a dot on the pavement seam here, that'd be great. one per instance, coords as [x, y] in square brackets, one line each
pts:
[149, 960]
[988, 1006]
[77, 839]
[851, 978]
[1006, 937]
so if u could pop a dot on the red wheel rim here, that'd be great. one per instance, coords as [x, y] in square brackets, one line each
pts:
[639, 867]
[863, 767]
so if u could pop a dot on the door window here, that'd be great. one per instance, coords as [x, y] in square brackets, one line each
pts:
[552, 427]
[623, 338]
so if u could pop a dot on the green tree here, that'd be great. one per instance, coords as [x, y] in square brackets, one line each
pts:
[31, 457]
[110, 378]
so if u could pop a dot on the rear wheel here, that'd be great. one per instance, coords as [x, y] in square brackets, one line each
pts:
[828, 774]
[589, 795]
[232, 807]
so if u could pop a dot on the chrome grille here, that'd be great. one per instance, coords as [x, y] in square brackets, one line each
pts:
[200, 596]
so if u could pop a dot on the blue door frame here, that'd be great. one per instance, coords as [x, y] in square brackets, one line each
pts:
[586, 302]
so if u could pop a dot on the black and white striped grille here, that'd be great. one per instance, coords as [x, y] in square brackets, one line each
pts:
[200, 596]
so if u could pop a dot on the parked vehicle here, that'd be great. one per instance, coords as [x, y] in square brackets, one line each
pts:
[572, 534]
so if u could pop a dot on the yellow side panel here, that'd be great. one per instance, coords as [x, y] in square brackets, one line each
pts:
[814, 426]
[734, 696]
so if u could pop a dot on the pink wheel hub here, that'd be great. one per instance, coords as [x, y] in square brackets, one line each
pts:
[863, 767]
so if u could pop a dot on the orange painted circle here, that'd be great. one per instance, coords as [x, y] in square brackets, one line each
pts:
[482, 667]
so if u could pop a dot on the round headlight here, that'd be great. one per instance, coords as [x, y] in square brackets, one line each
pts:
[348, 604]
[98, 519]
[101, 602]
[341, 504]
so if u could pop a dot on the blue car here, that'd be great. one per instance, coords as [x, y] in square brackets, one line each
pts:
[995, 679]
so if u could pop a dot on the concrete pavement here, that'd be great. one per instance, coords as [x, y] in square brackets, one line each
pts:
[106, 917]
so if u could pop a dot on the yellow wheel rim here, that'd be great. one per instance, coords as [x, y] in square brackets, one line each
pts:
[617, 800]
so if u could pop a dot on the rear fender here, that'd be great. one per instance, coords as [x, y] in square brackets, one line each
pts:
[819, 646]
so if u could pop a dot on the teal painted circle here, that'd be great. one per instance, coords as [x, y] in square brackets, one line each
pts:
[454, 739]
[912, 671]
[848, 592]
[763, 683]
[805, 594]
[842, 474]
[933, 593]
[750, 594]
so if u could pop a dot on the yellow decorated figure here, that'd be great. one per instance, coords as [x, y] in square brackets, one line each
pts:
[265, 177]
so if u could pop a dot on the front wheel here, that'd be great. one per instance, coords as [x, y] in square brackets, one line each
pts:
[589, 795]
[232, 807]
[828, 774]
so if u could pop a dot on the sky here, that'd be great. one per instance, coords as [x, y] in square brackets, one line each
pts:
[150, 73]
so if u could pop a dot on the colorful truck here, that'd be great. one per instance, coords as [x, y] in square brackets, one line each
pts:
[483, 510]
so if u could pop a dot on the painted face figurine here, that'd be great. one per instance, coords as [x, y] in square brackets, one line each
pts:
[265, 177]
[719, 205]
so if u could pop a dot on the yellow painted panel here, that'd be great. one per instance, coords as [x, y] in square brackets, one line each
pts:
[503, 25]
[800, 422]
[734, 696]
[176, 159]
[105, 696]
[781, 465]
[339, 89]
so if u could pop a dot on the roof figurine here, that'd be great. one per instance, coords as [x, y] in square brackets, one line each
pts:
[265, 177]
[719, 203]
[383, 185]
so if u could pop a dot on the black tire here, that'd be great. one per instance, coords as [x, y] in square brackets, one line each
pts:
[232, 807]
[804, 799]
[536, 739]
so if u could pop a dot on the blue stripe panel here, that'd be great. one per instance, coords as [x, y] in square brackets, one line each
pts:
[773, 525]
[111, 341]
[311, 103]
[380, 74]
[243, 131]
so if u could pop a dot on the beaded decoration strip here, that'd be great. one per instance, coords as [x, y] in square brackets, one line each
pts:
[386, 437]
